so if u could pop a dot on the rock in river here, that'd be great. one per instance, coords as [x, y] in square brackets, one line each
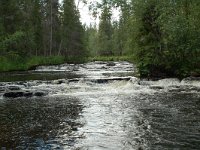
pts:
[14, 94]
[110, 64]
[40, 94]
[13, 88]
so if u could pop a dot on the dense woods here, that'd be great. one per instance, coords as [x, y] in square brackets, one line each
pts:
[39, 29]
[161, 37]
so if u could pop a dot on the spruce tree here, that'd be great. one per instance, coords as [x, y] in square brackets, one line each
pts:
[105, 32]
[72, 32]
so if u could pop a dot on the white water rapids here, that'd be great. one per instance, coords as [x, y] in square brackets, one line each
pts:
[111, 109]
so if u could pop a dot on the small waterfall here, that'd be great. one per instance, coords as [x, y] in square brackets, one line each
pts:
[191, 81]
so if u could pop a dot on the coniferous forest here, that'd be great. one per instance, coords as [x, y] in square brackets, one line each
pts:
[161, 37]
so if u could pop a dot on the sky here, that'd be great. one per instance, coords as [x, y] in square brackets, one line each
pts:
[87, 18]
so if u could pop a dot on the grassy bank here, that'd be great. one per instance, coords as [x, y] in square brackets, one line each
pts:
[17, 64]
[20, 64]
[111, 58]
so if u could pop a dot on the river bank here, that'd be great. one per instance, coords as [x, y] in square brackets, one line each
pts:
[25, 64]
[10, 65]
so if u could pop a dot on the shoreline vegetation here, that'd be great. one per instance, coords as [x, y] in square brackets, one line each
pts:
[160, 37]
[21, 64]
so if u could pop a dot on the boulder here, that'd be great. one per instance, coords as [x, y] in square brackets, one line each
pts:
[13, 88]
[60, 81]
[17, 94]
[28, 94]
[74, 80]
[106, 80]
[13, 94]
[110, 64]
[156, 87]
[40, 94]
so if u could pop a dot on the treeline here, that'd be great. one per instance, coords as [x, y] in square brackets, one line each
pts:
[46, 28]
[163, 36]
[109, 38]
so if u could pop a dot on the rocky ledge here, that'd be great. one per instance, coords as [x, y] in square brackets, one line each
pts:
[16, 91]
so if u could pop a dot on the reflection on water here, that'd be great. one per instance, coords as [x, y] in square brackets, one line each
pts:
[173, 120]
[32, 75]
[116, 115]
[40, 123]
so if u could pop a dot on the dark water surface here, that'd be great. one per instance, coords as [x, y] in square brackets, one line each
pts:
[82, 114]
[33, 75]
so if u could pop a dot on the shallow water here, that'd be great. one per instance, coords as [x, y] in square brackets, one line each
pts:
[89, 115]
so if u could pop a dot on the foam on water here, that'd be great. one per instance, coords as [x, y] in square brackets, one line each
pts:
[111, 111]
[191, 81]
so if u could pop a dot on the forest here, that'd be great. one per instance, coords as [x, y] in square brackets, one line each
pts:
[161, 37]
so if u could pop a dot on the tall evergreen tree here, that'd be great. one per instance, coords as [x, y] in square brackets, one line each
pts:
[51, 26]
[72, 31]
[105, 32]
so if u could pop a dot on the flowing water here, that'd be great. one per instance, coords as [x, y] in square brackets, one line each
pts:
[99, 106]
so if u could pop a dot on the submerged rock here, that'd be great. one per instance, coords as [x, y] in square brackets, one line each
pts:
[110, 64]
[73, 80]
[40, 94]
[19, 93]
[156, 87]
[106, 80]
[28, 94]
[13, 88]
[14, 94]
[59, 81]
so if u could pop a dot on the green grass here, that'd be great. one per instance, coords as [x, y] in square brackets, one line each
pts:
[28, 63]
[20, 64]
[111, 58]
[40, 60]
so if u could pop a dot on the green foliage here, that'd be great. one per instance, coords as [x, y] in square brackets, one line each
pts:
[105, 33]
[31, 30]
[91, 38]
[13, 44]
[166, 37]
[72, 32]
[111, 58]
[19, 63]
[163, 36]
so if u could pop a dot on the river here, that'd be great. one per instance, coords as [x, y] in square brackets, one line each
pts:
[98, 106]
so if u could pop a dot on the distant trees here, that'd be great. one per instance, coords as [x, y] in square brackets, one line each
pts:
[91, 38]
[40, 28]
[163, 36]
[72, 32]
[166, 37]
[105, 32]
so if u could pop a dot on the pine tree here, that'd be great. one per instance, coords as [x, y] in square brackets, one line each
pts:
[51, 27]
[72, 31]
[105, 32]
[36, 21]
